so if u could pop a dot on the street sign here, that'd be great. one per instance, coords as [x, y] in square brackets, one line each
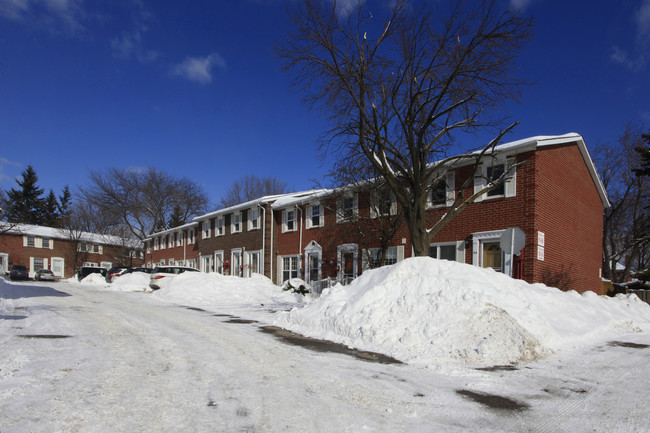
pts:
[513, 240]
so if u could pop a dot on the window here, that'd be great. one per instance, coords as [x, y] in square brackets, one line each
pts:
[236, 262]
[315, 216]
[179, 239]
[38, 264]
[289, 220]
[45, 242]
[289, 267]
[218, 262]
[190, 236]
[170, 240]
[148, 246]
[163, 242]
[205, 229]
[438, 195]
[221, 224]
[347, 208]
[106, 265]
[375, 257]
[156, 243]
[493, 173]
[235, 224]
[445, 251]
[254, 263]
[382, 203]
[253, 219]
[31, 241]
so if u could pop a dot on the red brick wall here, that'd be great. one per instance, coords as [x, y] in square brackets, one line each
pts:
[570, 213]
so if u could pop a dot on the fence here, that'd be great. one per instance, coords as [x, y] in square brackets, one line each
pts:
[644, 295]
[318, 286]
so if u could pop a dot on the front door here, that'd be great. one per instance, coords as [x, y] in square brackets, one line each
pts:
[493, 256]
[313, 268]
[58, 266]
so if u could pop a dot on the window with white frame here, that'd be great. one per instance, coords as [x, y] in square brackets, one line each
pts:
[218, 261]
[163, 242]
[31, 241]
[190, 236]
[493, 171]
[205, 229]
[45, 243]
[443, 251]
[237, 266]
[220, 230]
[148, 246]
[374, 257]
[347, 208]
[39, 264]
[289, 220]
[254, 218]
[156, 244]
[106, 265]
[170, 240]
[254, 263]
[289, 267]
[315, 217]
[443, 191]
[235, 223]
[90, 264]
[382, 203]
[179, 239]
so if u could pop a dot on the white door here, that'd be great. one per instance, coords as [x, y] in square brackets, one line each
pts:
[58, 266]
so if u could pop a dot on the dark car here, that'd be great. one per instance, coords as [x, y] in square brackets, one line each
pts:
[138, 269]
[87, 270]
[44, 275]
[114, 272]
[19, 272]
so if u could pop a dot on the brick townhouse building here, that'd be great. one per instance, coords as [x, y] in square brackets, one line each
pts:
[554, 197]
[62, 251]
[175, 246]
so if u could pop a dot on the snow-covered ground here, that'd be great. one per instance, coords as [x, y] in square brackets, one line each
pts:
[479, 352]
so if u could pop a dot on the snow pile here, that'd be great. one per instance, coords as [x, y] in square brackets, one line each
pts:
[133, 282]
[213, 291]
[431, 312]
[94, 278]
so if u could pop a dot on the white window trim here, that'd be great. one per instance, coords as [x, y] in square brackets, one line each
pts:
[237, 216]
[205, 229]
[375, 204]
[236, 252]
[220, 228]
[280, 266]
[218, 258]
[450, 192]
[460, 248]
[285, 220]
[340, 217]
[365, 265]
[309, 217]
[180, 238]
[510, 186]
[254, 211]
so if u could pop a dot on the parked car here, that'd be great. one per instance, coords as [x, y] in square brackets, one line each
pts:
[18, 272]
[44, 275]
[84, 271]
[115, 272]
[161, 275]
[138, 269]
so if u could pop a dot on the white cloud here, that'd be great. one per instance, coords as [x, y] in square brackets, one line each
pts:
[199, 69]
[53, 15]
[620, 56]
[129, 44]
[520, 5]
[643, 20]
[346, 7]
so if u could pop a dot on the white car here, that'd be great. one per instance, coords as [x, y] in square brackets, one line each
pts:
[162, 274]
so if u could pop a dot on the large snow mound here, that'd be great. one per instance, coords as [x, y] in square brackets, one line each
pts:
[133, 282]
[432, 312]
[214, 291]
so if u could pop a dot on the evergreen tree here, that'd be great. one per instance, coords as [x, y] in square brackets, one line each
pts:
[176, 218]
[50, 211]
[26, 203]
[65, 203]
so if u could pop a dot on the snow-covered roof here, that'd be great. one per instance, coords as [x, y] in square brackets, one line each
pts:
[173, 229]
[65, 234]
[300, 198]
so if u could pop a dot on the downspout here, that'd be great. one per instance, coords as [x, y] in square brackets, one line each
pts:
[271, 259]
[263, 235]
[298, 209]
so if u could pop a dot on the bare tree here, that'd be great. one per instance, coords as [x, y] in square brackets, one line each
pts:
[626, 223]
[143, 200]
[252, 187]
[400, 91]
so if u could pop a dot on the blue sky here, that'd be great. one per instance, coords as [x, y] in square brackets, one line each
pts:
[194, 88]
